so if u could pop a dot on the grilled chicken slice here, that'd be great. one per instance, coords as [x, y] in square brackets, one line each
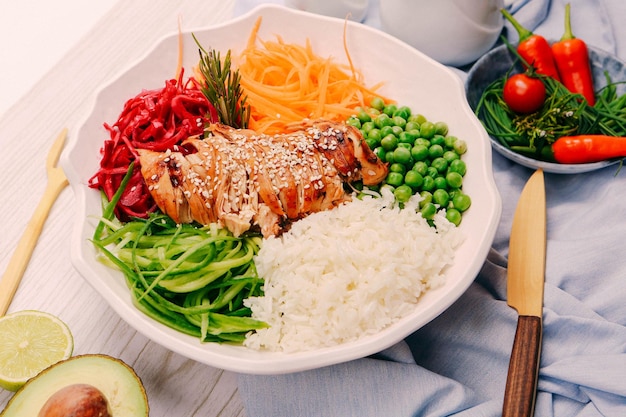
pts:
[164, 177]
[242, 179]
[345, 146]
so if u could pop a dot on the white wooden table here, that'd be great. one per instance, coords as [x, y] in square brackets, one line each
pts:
[32, 118]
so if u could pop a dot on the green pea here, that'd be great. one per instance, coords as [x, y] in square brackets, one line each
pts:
[441, 183]
[380, 153]
[367, 127]
[404, 112]
[419, 152]
[428, 211]
[412, 126]
[403, 193]
[427, 197]
[460, 146]
[427, 130]
[417, 118]
[454, 179]
[458, 165]
[389, 109]
[404, 145]
[364, 117]
[386, 130]
[397, 130]
[441, 197]
[450, 141]
[377, 103]
[461, 202]
[438, 140]
[414, 133]
[420, 167]
[413, 179]
[371, 143]
[441, 128]
[399, 121]
[382, 120]
[422, 141]
[394, 178]
[353, 121]
[389, 156]
[440, 164]
[428, 184]
[406, 137]
[397, 167]
[435, 151]
[432, 171]
[374, 134]
[402, 155]
[454, 216]
[389, 142]
[450, 156]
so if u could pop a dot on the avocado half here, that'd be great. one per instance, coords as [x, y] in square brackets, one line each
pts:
[117, 381]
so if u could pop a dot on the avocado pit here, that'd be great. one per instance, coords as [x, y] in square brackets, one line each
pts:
[77, 400]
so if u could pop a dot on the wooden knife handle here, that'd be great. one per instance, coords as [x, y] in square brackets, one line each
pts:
[521, 383]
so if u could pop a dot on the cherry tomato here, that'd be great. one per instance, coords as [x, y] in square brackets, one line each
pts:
[524, 94]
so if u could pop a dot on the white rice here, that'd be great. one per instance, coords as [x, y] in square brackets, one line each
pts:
[343, 274]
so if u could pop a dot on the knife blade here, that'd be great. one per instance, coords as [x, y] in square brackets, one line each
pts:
[525, 283]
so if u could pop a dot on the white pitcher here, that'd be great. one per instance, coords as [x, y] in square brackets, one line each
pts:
[453, 32]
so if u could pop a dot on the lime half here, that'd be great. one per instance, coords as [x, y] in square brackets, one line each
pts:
[31, 341]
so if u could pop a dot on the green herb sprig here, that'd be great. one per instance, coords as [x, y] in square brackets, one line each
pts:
[222, 88]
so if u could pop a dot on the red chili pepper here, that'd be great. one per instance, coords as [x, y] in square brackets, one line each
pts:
[582, 149]
[535, 49]
[572, 61]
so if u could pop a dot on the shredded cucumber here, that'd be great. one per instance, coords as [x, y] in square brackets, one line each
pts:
[191, 278]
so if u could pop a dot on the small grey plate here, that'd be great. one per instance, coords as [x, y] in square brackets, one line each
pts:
[497, 62]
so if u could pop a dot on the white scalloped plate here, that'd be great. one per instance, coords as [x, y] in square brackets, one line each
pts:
[411, 78]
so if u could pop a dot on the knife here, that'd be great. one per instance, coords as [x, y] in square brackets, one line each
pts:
[525, 282]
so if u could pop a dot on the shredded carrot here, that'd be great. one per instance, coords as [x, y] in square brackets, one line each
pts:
[345, 44]
[179, 64]
[287, 83]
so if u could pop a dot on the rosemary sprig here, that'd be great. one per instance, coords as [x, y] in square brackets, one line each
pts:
[222, 88]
